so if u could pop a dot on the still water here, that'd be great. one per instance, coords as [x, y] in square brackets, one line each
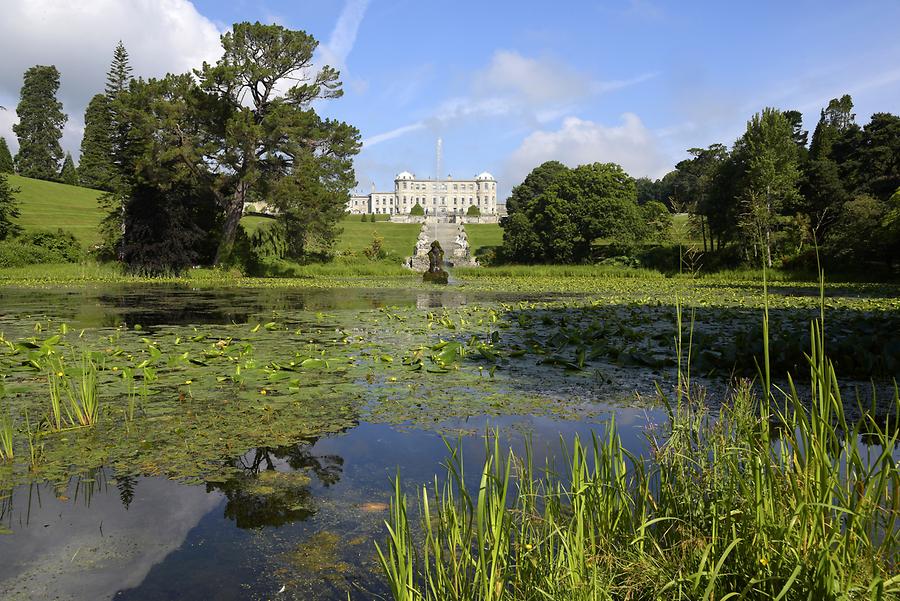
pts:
[299, 522]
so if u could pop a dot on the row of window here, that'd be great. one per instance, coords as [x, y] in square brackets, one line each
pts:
[485, 185]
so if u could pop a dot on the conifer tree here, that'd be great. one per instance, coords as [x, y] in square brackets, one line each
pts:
[68, 173]
[41, 120]
[95, 169]
[6, 160]
[9, 208]
[118, 79]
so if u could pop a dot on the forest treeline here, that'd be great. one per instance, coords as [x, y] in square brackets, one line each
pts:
[178, 157]
[777, 196]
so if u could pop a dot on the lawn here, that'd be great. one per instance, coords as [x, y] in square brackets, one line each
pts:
[484, 234]
[399, 238]
[49, 205]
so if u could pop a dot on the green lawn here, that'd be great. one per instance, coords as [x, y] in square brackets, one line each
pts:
[399, 238]
[484, 234]
[49, 205]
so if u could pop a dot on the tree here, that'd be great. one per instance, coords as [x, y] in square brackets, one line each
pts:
[255, 134]
[693, 187]
[166, 227]
[9, 208]
[68, 174]
[417, 210]
[770, 182]
[536, 183]
[96, 169]
[41, 120]
[6, 160]
[577, 207]
[238, 138]
[108, 146]
[473, 211]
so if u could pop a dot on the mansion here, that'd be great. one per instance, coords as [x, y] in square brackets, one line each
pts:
[436, 197]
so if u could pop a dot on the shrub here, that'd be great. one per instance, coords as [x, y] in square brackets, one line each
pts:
[15, 253]
[364, 218]
[473, 211]
[61, 242]
[372, 218]
[417, 210]
[375, 250]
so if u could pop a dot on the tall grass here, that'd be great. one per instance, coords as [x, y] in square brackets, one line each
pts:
[772, 498]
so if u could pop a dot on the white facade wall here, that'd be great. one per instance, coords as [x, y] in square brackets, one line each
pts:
[436, 197]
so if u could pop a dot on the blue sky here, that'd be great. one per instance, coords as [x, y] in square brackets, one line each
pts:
[508, 85]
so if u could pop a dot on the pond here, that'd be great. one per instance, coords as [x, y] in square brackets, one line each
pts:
[246, 441]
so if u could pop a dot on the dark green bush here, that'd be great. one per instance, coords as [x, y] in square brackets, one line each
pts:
[61, 242]
[473, 211]
[15, 253]
[417, 210]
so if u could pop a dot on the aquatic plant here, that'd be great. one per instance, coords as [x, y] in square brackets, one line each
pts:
[772, 498]
[79, 400]
[7, 452]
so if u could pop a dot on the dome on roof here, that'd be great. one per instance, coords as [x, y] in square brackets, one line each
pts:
[405, 175]
[484, 176]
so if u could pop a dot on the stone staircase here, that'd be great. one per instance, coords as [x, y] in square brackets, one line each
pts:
[448, 234]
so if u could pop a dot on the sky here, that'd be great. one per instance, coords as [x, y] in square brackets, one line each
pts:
[507, 85]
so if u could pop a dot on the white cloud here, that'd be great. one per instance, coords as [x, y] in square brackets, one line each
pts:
[161, 36]
[537, 91]
[536, 81]
[342, 40]
[343, 36]
[578, 142]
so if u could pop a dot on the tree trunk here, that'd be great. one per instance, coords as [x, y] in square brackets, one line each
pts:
[703, 231]
[234, 210]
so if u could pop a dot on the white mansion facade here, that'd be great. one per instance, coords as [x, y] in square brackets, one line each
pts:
[436, 197]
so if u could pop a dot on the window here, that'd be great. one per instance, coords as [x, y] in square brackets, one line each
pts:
[404, 185]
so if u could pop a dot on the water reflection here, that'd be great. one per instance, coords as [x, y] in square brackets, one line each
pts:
[265, 493]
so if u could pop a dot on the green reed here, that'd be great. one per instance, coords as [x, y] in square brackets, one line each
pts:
[7, 452]
[74, 399]
[771, 498]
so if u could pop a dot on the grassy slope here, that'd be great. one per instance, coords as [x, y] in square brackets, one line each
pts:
[484, 234]
[399, 238]
[49, 205]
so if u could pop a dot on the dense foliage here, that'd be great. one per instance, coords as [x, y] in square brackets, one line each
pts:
[41, 120]
[9, 208]
[68, 174]
[778, 193]
[557, 214]
[95, 169]
[6, 160]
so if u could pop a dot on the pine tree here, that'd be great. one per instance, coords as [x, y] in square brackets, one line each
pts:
[41, 120]
[95, 169]
[68, 174]
[118, 79]
[9, 208]
[119, 73]
[6, 160]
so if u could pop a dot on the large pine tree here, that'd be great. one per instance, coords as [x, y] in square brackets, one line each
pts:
[41, 120]
[6, 160]
[95, 169]
[118, 78]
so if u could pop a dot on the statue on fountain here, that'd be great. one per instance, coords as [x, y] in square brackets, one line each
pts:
[436, 273]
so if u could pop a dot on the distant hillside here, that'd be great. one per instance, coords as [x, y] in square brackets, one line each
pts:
[49, 205]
